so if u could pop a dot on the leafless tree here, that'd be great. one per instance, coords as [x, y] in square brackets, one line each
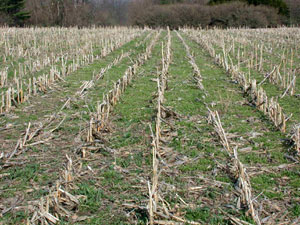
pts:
[294, 8]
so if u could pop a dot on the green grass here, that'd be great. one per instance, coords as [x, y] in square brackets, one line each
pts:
[93, 199]
[14, 218]
[27, 173]
[204, 215]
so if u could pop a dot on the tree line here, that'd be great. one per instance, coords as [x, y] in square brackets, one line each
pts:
[152, 13]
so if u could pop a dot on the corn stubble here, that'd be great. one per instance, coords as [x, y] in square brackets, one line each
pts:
[232, 50]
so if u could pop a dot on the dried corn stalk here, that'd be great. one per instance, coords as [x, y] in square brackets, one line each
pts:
[296, 137]
[238, 171]
[158, 207]
[59, 203]
[197, 74]
[214, 119]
